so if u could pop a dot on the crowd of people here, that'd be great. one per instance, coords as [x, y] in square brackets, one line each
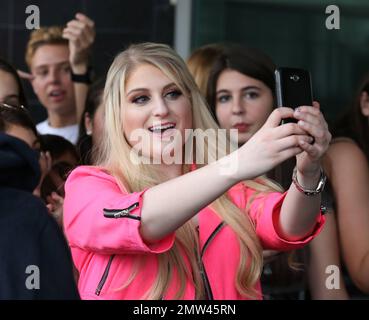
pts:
[89, 197]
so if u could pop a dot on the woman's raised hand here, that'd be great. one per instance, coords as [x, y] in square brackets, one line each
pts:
[271, 145]
[308, 140]
[311, 120]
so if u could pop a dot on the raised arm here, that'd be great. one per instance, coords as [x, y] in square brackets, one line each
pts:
[81, 35]
[167, 206]
[299, 212]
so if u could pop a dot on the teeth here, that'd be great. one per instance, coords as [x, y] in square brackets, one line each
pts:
[161, 128]
[55, 93]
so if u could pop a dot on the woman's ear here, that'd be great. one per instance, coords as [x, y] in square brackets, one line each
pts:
[88, 124]
[364, 103]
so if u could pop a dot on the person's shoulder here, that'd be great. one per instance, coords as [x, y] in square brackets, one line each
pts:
[96, 173]
[342, 155]
[90, 170]
[345, 149]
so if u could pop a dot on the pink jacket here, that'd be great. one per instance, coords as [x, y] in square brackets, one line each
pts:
[104, 249]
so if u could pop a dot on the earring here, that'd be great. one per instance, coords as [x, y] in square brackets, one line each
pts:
[89, 132]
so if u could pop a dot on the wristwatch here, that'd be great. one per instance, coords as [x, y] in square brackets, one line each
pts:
[310, 192]
[83, 78]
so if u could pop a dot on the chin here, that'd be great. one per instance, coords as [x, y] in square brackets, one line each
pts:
[243, 138]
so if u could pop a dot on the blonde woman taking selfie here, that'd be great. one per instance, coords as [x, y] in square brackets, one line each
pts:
[143, 230]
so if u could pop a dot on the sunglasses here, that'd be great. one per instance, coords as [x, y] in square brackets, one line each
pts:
[11, 107]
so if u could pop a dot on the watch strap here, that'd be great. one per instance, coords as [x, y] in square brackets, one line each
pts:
[310, 192]
[82, 78]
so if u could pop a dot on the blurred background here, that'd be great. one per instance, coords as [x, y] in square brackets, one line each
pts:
[292, 32]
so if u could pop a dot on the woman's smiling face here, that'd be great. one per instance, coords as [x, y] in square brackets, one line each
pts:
[154, 105]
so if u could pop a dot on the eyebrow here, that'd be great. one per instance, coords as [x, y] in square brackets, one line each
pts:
[145, 89]
[242, 89]
[47, 65]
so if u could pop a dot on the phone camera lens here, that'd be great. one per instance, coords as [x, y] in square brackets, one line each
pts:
[295, 77]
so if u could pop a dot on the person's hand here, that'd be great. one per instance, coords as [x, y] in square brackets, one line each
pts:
[81, 35]
[45, 162]
[313, 123]
[270, 146]
[25, 75]
[55, 207]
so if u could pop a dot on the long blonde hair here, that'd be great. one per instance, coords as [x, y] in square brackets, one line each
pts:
[114, 155]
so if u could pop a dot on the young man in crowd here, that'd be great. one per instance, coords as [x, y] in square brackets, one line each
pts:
[58, 60]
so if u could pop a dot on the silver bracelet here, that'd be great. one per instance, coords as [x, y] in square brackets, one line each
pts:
[310, 192]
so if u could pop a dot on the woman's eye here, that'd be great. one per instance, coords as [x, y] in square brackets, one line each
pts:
[140, 100]
[252, 95]
[173, 94]
[224, 98]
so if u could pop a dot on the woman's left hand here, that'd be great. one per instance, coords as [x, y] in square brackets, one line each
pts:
[312, 121]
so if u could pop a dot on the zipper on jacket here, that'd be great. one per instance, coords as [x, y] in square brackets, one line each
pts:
[104, 276]
[213, 234]
[205, 279]
[122, 213]
[204, 276]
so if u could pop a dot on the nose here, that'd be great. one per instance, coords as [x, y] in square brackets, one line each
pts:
[161, 109]
[54, 76]
[237, 106]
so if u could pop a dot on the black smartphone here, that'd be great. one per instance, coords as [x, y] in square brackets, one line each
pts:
[293, 89]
